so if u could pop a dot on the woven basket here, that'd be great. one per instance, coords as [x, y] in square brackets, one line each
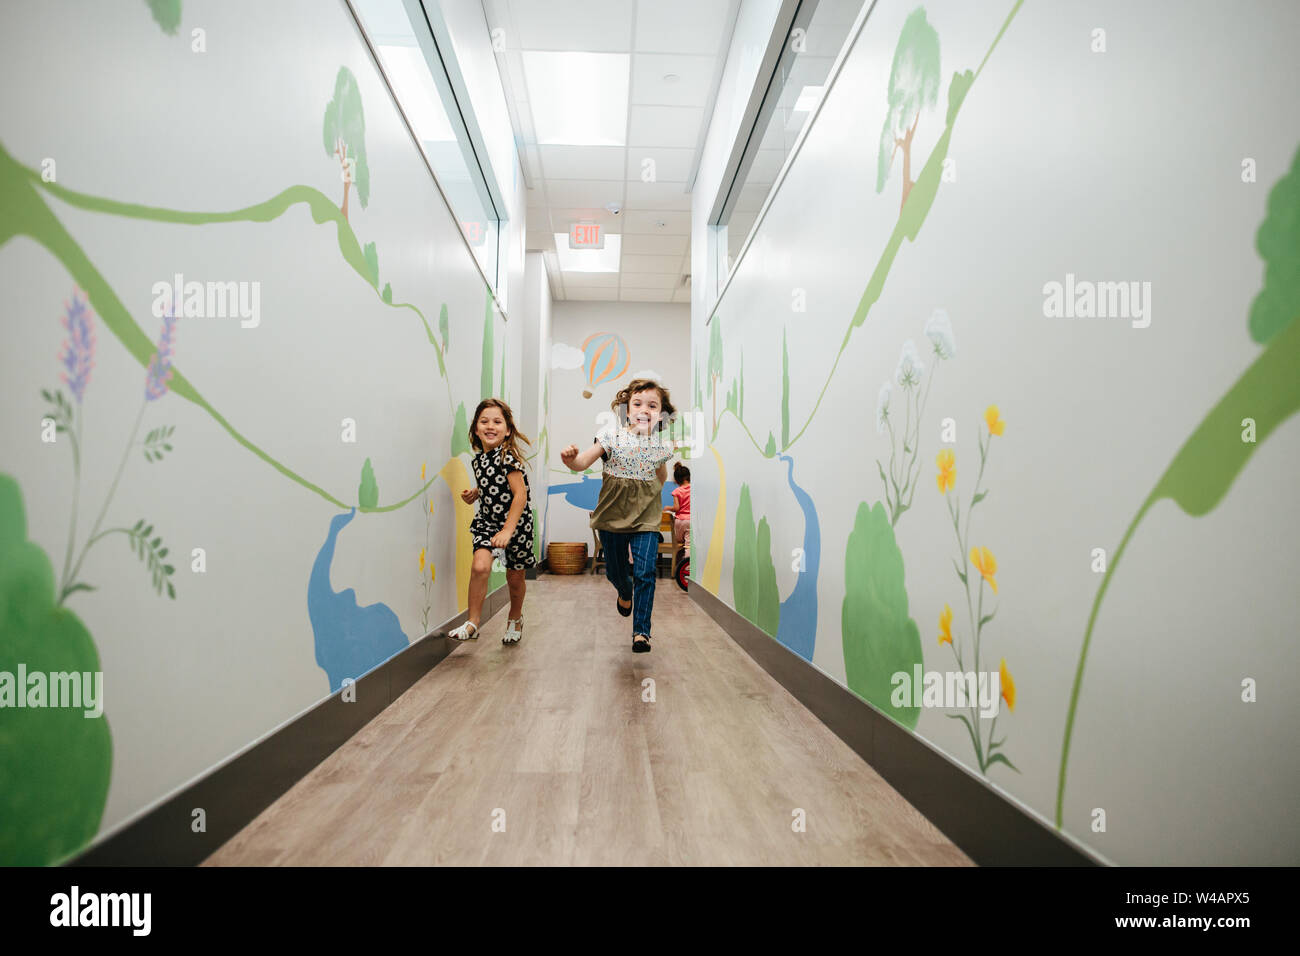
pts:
[563, 557]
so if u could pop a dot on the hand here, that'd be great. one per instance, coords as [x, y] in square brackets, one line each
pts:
[469, 495]
[502, 537]
[568, 454]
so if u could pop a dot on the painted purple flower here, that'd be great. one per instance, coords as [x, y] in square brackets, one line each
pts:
[78, 355]
[160, 366]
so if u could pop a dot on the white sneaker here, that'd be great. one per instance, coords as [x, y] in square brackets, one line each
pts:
[514, 630]
[466, 632]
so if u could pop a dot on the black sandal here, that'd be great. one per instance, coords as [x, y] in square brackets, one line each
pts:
[625, 611]
[640, 644]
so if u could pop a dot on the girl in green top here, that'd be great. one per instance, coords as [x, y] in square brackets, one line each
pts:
[627, 511]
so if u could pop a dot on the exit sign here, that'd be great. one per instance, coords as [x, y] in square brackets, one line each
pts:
[586, 235]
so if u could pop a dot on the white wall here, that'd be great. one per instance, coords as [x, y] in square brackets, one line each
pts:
[273, 423]
[657, 337]
[534, 314]
[1062, 161]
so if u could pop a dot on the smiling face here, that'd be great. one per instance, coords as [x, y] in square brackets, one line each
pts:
[491, 427]
[644, 410]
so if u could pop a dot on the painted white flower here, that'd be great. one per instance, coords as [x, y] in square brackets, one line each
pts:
[910, 368]
[882, 408]
[939, 331]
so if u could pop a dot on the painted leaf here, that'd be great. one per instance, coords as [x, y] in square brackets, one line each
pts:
[167, 14]
[372, 262]
[1278, 242]
[460, 433]
[879, 637]
[442, 325]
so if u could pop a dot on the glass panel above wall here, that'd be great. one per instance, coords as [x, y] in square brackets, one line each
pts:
[820, 30]
[423, 91]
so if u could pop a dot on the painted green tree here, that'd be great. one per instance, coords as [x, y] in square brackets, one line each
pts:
[880, 638]
[714, 369]
[753, 581]
[344, 132]
[460, 433]
[368, 490]
[167, 14]
[485, 380]
[913, 85]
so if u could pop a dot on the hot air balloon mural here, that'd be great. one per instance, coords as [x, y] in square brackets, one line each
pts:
[605, 357]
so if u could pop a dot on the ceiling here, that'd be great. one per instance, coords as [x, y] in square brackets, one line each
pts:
[676, 50]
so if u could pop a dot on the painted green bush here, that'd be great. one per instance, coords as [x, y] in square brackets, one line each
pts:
[754, 587]
[768, 615]
[744, 570]
[880, 639]
[55, 762]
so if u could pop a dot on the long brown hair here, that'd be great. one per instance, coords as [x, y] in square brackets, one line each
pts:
[624, 398]
[508, 445]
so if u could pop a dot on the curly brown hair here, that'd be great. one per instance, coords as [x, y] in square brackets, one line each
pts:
[624, 397]
[509, 444]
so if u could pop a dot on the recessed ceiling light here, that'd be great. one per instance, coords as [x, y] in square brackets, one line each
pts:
[671, 77]
[660, 223]
[588, 260]
[577, 99]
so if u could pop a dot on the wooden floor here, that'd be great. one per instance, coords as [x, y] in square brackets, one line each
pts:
[552, 738]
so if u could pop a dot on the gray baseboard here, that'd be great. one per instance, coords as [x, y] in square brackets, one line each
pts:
[988, 828]
[233, 794]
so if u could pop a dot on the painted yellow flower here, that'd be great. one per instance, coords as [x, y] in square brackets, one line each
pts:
[995, 422]
[1008, 686]
[422, 560]
[431, 572]
[422, 464]
[947, 478]
[986, 564]
[430, 507]
[945, 625]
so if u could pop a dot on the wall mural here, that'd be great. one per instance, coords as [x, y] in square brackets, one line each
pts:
[882, 631]
[50, 809]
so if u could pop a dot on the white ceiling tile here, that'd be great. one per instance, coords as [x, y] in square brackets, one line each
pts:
[669, 165]
[682, 26]
[674, 223]
[692, 87]
[604, 27]
[561, 216]
[651, 280]
[654, 264]
[591, 295]
[646, 245]
[645, 295]
[581, 195]
[677, 126]
[683, 295]
[591, 280]
[538, 241]
[583, 162]
[641, 195]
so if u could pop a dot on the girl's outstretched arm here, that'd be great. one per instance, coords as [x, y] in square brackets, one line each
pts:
[581, 461]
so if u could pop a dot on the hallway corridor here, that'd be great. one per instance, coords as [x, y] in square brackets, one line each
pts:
[554, 733]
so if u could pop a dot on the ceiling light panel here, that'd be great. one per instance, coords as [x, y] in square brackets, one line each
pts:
[578, 99]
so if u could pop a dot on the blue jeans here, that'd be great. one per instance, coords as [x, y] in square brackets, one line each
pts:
[636, 582]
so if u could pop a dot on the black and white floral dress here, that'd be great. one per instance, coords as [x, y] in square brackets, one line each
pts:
[490, 470]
